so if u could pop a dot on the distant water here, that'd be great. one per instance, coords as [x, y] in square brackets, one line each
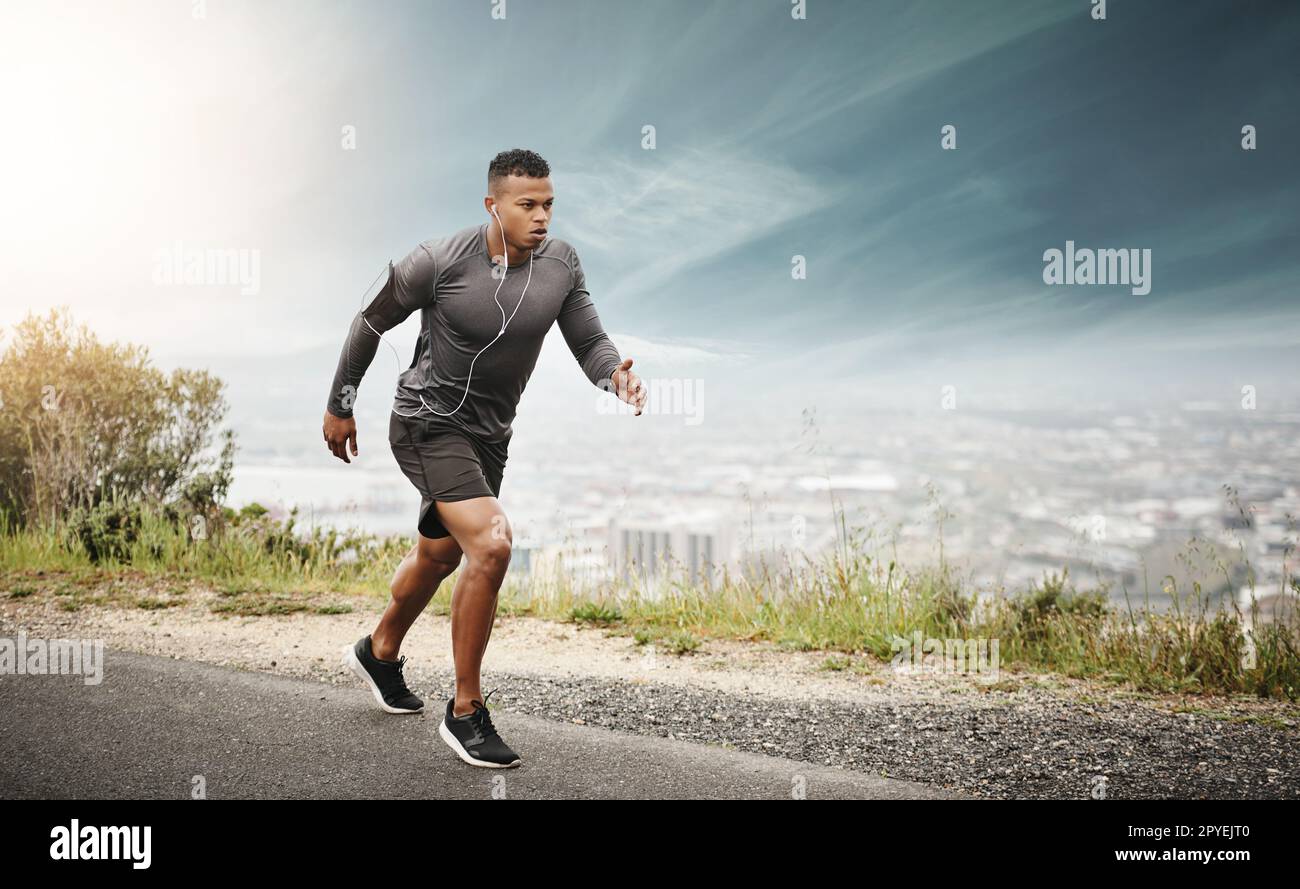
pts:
[366, 499]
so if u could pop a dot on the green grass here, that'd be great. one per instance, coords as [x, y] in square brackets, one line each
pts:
[835, 664]
[154, 603]
[595, 613]
[847, 604]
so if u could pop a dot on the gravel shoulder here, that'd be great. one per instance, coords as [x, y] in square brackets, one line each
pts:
[1024, 736]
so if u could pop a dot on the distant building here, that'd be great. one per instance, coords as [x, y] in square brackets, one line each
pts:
[1271, 606]
[522, 555]
[688, 547]
[578, 562]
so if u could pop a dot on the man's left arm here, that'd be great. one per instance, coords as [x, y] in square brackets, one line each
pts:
[591, 346]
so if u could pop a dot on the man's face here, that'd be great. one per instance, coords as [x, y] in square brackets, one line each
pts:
[524, 205]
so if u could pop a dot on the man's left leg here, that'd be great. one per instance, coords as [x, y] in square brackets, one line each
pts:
[483, 532]
[484, 535]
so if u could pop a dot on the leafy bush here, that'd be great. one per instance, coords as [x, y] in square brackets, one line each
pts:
[82, 422]
[107, 531]
[1057, 597]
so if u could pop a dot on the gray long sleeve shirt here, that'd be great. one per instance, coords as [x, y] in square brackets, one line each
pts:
[451, 282]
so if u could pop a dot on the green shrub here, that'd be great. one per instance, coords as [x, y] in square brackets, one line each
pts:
[87, 421]
[107, 531]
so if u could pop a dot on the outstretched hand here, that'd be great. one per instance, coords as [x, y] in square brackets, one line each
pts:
[628, 386]
[339, 433]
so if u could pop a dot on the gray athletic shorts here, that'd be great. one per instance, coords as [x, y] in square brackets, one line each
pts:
[444, 463]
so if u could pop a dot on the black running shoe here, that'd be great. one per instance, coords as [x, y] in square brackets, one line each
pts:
[383, 677]
[474, 738]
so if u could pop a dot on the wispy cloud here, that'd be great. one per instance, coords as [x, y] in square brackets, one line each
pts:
[775, 137]
[654, 219]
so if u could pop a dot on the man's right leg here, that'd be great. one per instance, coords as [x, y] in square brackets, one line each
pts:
[483, 533]
[414, 584]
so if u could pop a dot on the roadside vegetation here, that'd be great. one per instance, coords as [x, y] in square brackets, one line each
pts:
[113, 478]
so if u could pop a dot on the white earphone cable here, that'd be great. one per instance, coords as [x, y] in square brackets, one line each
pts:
[505, 322]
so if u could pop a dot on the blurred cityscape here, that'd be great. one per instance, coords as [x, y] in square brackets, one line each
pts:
[1141, 502]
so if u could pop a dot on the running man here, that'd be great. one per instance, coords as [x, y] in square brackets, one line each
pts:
[487, 295]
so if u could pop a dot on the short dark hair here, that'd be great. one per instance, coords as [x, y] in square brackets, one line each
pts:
[516, 162]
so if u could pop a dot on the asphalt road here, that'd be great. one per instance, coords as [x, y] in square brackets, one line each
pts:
[154, 727]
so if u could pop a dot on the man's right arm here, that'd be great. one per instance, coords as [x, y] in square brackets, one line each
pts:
[410, 286]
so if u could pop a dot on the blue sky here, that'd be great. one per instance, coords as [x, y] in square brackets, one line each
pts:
[137, 125]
